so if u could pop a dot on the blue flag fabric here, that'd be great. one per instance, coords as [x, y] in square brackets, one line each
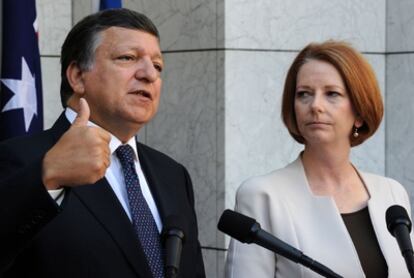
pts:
[21, 105]
[110, 4]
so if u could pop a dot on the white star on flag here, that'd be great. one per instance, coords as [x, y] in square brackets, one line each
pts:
[24, 94]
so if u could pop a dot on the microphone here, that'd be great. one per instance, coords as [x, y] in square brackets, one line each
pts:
[399, 225]
[247, 230]
[173, 237]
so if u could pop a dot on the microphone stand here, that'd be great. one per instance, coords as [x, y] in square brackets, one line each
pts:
[409, 260]
[407, 253]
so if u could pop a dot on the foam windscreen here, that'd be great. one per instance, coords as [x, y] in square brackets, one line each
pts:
[236, 225]
[396, 215]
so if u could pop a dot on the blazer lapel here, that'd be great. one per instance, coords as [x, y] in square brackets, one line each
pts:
[161, 190]
[104, 205]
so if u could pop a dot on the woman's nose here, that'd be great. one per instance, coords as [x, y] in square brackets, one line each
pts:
[317, 103]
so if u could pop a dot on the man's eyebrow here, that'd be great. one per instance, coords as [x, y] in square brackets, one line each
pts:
[157, 56]
[141, 49]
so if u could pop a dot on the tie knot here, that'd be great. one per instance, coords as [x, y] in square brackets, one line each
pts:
[125, 153]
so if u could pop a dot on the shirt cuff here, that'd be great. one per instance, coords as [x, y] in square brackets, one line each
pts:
[57, 195]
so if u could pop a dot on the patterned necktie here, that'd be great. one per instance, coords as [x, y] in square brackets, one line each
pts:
[142, 219]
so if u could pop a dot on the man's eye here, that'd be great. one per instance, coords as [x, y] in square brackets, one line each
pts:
[158, 67]
[126, 58]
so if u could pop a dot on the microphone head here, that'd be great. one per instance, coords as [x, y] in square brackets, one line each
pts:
[174, 225]
[397, 215]
[237, 225]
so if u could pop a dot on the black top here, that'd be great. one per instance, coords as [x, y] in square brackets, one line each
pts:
[366, 244]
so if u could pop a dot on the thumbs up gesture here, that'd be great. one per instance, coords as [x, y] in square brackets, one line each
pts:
[81, 156]
[84, 112]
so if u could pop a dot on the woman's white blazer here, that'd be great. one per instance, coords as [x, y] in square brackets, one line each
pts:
[284, 205]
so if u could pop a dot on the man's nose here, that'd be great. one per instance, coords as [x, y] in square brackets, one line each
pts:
[146, 70]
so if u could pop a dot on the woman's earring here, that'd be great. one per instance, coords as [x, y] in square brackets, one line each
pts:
[355, 134]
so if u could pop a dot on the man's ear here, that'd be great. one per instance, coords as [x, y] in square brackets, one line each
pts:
[75, 78]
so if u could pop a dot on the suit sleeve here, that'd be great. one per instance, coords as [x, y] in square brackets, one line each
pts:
[25, 204]
[198, 259]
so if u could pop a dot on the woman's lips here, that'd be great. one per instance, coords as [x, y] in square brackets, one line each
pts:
[317, 124]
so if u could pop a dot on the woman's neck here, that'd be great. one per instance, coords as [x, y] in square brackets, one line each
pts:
[330, 173]
[327, 163]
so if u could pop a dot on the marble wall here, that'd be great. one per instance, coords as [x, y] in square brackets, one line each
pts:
[55, 21]
[400, 96]
[225, 65]
[289, 25]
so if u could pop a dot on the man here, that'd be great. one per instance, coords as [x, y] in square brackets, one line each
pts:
[84, 199]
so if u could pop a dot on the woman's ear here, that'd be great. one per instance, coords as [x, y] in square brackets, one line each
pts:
[75, 78]
[358, 122]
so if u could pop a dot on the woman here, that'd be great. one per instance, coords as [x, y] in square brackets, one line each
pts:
[320, 203]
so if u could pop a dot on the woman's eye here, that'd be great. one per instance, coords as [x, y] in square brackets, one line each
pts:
[302, 94]
[333, 94]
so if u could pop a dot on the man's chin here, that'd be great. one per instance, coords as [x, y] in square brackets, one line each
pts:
[140, 121]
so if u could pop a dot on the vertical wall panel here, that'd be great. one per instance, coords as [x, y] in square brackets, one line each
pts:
[400, 97]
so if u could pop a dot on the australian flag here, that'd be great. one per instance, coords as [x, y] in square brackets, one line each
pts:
[21, 106]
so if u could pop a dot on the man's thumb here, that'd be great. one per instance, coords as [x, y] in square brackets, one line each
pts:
[83, 114]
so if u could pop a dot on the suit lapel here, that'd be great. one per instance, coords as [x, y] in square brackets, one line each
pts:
[161, 190]
[104, 205]
[60, 126]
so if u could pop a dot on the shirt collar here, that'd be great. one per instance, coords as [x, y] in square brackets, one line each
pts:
[114, 143]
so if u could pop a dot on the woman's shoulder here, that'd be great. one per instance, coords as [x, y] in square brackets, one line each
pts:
[275, 180]
[382, 181]
[378, 184]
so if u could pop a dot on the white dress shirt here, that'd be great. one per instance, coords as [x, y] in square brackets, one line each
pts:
[115, 177]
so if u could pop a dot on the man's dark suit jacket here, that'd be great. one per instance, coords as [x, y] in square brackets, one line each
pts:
[90, 235]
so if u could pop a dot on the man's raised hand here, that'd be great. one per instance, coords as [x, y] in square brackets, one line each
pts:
[81, 156]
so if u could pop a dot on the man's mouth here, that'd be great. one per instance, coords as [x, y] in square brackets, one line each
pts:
[143, 93]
